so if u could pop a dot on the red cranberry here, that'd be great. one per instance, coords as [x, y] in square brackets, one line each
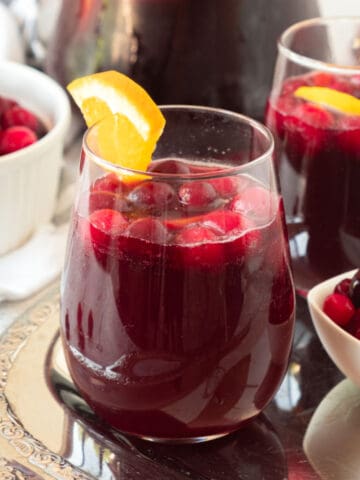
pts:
[105, 200]
[227, 187]
[292, 84]
[169, 166]
[5, 104]
[343, 287]
[195, 234]
[176, 223]
[314, 115]
[197, 195]
[339, 308]
[17, 116]
[101, 201]
[16, 138]
[105, 225]
[223, 221]
[321, 79]
[199, 247]
[354, 289]
[324, 79]
[149, 229]
[255, 202]
[152, 196]
[108, 183]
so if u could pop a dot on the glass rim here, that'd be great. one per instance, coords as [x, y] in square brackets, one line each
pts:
[226, 171]
[312, 62]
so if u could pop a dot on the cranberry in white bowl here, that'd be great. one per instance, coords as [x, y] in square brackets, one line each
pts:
[335, 312]
[30, 153]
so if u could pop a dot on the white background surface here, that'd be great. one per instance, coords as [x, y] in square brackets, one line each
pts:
[339, 7]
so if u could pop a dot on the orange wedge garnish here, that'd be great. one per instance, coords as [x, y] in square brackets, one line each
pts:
[130, 123]
[330, 98]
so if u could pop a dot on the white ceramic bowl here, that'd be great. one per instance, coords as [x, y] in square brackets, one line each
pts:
[342, 348]
[332, 437]
[29, 178]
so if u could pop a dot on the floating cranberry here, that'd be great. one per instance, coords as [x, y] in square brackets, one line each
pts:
[108, 183]
[104, 200]
[255, 202]
[16, 138]
[105, 225]
[177, 223]
[5, 104]
[195, 234]
[199, 247]
[354, 290]
[18, 116]
[149, 229]
[293, 84]
[197, 195]
[339, 308]
[151, 196]
[323, 79]
[223, 221]
[314, 115]
[169, 166]
[227, 187]
[343, 287]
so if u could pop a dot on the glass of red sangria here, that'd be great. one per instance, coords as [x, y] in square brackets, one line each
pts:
[177, 298]
[314, 114]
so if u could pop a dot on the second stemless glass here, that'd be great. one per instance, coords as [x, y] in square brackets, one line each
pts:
[318, 146]
[177, 298]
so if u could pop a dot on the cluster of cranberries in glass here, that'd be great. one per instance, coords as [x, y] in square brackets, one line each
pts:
[19, 127]
[201, 214]
[305, 127]
[343, 305]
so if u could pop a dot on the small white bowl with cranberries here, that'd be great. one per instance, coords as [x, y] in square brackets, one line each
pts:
[34, 117]
[335, 310]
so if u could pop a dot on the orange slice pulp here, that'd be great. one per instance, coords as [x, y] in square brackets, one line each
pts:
[128, 122]
[328, 97]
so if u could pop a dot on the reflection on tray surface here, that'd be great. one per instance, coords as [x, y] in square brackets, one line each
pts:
[258, 451]
[232, 457]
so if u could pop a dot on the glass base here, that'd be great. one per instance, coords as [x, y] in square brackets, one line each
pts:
[183, 441]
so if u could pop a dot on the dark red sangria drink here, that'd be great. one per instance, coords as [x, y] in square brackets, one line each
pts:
[314, 114]
[177, 298]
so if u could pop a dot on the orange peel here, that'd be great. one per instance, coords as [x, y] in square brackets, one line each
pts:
[330, 98]
[128, 123]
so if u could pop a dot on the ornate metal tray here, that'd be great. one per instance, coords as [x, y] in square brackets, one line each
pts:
[47, 431]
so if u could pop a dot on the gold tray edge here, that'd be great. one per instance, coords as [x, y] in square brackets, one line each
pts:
[25, 456]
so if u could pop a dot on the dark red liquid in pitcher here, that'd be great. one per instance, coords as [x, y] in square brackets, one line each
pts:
[199, 52]
[318, 155]
[177, 303]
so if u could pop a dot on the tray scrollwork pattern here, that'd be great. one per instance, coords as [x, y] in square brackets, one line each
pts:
[26, 446]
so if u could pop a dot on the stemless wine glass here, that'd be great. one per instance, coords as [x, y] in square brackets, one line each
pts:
[177, 298]
[317, 136]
